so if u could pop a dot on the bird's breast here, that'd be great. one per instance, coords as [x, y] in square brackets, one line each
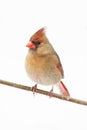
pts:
[42, 70]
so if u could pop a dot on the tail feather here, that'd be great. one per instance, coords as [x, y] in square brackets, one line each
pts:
[63, 89]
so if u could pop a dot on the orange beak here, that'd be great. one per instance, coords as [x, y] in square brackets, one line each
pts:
[30, 45]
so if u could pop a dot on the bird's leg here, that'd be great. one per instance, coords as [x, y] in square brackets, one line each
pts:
[51, 92]
[34, 89]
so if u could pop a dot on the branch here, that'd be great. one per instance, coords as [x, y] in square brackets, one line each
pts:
[24, 87]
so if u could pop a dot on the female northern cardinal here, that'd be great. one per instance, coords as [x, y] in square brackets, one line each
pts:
[42, 62]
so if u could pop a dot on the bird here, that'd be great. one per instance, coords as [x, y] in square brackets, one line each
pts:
[42, 63]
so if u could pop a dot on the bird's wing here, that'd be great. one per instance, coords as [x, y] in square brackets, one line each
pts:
[59, 66]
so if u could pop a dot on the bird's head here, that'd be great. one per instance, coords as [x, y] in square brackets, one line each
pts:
[39, 43]
[36, 39]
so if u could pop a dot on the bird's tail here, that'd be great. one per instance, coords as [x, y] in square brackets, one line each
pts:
[63, 89]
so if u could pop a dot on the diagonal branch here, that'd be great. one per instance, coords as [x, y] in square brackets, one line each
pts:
[70, 99]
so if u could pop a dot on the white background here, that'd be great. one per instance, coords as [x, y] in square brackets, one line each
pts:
[66, 23]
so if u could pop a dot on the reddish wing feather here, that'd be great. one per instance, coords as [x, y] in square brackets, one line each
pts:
[59, 66]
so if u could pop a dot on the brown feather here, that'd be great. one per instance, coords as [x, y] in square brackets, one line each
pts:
[43, 65]
[38, 36]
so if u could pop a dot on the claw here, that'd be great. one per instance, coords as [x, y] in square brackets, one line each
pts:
[51, 92]
[34, 89]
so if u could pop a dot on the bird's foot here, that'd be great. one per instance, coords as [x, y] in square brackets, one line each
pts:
[34, 89]
[50, 93]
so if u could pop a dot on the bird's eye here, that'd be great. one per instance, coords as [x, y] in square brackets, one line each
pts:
[36, 43]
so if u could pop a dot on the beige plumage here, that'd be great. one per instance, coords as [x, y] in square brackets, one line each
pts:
[42, 62]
